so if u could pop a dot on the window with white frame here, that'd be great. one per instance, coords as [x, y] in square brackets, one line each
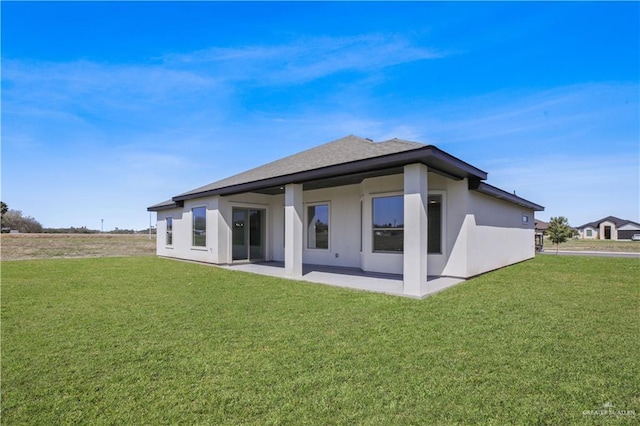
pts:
[199, 226]
[434, 220]
[169, 231]
[589, 233]
[388, 223]
[318, 226]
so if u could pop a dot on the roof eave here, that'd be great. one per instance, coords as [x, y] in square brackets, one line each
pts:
[165, 206]
[493, 191]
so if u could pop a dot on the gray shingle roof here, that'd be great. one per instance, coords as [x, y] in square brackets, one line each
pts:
[344, 150]
[616, 220]
[346, 161]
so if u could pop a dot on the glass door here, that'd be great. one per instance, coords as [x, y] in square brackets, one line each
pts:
[239, 235]
[256, 248]
[248, 234]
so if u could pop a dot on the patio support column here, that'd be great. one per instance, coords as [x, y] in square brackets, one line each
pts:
[293, 230]
[415, 229]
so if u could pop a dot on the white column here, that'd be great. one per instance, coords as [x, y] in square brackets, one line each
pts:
[223, 239]
[415, 229]
[293, 230]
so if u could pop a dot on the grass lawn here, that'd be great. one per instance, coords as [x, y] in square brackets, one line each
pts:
[143, 340]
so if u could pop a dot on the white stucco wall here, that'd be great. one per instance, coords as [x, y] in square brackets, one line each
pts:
[496, 234]
[378, 187]
[344, 226]
[452, 261]
[182, 231]
[276, 231]
[479, 233]
[594, 233]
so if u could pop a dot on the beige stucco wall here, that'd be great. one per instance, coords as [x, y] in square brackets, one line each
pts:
[594, 233]
[614, 231]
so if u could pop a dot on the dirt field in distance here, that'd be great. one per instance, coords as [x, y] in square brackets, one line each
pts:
[51, 246]
[620, 246]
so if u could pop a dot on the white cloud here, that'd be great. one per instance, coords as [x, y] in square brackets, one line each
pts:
[158, 129]
[306, 59]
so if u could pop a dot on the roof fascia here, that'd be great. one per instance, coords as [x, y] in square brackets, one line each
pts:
[161, 207]
[471, 171]
[493, 191]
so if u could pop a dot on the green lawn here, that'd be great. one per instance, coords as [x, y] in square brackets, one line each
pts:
[154, 341]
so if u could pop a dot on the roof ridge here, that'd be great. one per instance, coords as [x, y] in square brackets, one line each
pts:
[403, 142]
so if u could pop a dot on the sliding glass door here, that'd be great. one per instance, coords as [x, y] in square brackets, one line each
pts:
[248, 234]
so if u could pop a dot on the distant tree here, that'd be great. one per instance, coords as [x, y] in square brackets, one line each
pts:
[3, 210]
[559, 231]
[14, 219]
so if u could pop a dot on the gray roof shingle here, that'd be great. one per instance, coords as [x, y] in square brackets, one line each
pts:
[345, 161]
[344, 150]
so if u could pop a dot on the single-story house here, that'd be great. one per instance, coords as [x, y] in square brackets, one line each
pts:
[393, 207]
[609, 228]
[540, 226]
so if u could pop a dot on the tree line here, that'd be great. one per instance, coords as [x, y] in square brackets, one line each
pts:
[14, 220]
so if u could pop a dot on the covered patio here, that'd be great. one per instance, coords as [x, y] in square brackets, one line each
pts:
[352, 278]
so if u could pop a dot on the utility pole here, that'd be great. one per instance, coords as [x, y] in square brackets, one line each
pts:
[102, 226]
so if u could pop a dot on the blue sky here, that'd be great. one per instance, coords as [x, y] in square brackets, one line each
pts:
[110, 107]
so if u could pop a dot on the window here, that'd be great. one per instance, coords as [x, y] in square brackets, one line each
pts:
[388, 223]
[318, 226]
[525, 218]
[589, 233]
[169, 231]
[434, 220]
[388, 226]
[199, 215]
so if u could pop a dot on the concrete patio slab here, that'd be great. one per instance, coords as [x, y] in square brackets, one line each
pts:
[348, 278]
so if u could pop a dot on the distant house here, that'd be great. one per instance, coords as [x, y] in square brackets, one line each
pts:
[541, 226]
[609, 228]
[394, 207]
